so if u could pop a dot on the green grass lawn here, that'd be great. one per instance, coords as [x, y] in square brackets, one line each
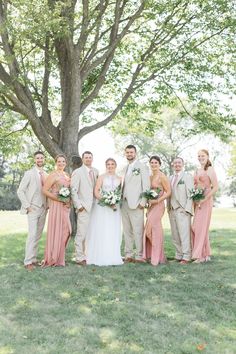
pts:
[132, 308]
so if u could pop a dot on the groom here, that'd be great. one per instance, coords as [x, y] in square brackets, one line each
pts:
[83, 181]
[33, 203]
[136, 181]
[179, 207]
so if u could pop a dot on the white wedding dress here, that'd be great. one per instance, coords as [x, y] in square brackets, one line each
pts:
[104, 232]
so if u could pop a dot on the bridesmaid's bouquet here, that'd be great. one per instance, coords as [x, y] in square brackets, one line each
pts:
[151, 194]
[197, 194]
[64, 194]
[111, 198]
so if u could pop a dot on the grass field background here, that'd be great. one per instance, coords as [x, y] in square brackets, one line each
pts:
[133, 308]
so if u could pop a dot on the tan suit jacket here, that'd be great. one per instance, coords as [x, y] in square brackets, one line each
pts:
[82, 187]
[180, 192]
[134, 185]
[30, 190]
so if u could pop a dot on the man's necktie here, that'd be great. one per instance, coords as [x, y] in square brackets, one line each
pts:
[174, 180]
[41, 178]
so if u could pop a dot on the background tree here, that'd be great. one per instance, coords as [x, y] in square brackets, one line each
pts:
[62, 61]
[169, 132]
[17, 145]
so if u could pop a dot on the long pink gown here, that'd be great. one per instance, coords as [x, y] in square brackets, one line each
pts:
[202, 217]
[59, 227]
[153, 239]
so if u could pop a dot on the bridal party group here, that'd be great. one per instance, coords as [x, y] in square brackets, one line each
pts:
[111, 205]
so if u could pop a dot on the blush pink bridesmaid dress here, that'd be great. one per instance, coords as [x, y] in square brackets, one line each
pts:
[59, 227]
[201, 250]
[153, 239]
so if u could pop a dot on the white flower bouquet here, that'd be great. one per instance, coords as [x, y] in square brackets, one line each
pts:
[197, 194]
[64, 194]
[151, 194]
[111, 198]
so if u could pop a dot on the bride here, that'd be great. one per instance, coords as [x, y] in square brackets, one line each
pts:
[104, 233]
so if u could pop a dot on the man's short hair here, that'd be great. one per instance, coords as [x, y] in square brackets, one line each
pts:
[131, 147]
[178, 158]
[39, 153]
[86, 152]
[76, 161]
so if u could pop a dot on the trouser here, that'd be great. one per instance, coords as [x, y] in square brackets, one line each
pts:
[180, 223]
[133, 220]
[80, 237]
[36, 222]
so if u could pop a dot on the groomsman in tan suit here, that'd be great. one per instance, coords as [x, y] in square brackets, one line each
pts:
[33, 203]
[180, 208]
[83, 180]
[136, 181]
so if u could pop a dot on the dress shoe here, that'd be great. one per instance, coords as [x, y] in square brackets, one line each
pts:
[129, 260]
[29, 267]
[82, 263]
[140, 260]
[184, 261]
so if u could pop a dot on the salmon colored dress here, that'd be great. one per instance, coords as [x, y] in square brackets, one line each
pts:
[202, 217]
[59, 227]
[153, 239]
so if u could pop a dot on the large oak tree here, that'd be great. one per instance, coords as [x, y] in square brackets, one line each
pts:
[69, 67]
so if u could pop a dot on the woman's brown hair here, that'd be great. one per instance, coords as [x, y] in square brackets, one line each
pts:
[111, 159]
[60, 155]
[208, 163]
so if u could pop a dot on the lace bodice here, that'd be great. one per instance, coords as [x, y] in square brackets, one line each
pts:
[110, 182]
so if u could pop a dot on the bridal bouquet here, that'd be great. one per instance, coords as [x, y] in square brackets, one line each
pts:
[151, 194]
[196, 194]
[111, 198]
[64, 194]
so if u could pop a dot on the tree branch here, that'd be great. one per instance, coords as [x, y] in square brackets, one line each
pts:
[179, 99]
[84, 131]
[15, 131]
[115, 39]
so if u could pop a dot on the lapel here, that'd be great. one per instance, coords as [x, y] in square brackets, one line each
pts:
[131, 173]
[86, 174]
[179, 178]
[94, 178]
[37, 179]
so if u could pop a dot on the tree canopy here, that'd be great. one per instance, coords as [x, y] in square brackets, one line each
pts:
[69, 67]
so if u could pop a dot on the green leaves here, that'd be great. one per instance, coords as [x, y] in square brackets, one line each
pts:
[73, 64]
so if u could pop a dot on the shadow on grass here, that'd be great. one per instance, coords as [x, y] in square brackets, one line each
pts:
[125, 309]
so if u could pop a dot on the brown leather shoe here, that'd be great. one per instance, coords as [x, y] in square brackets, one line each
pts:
[82, 263]
[129, 260]
[29, 267]
[140, 261]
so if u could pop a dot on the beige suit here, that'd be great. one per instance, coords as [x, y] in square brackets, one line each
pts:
[31, 196]
[82, 187]
[180, 208]
[132, 215]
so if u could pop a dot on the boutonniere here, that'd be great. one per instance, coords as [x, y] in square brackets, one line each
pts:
[181, 182]
[136, 171]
